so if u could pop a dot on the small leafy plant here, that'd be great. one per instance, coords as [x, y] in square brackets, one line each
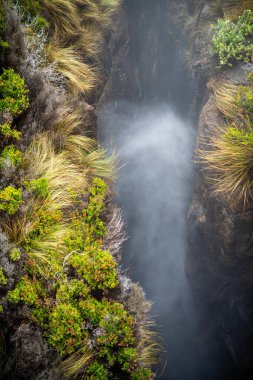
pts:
[11, 156]
[15, 254]
[65, 332]
[244, 98]
[7, 131]
[233, 41]
[3, 279]
[14, 95]
[96, 371]
[10, 200]
[38, 186]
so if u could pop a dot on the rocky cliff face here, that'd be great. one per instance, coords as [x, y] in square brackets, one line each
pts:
[144, 47]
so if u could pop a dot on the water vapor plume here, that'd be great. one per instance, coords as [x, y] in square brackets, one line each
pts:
[155, 181]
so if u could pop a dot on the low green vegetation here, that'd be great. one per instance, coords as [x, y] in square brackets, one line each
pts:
[70, 312]
[38, 186]
[11, 156]
[3, 279]
[10, 200]
[9, 132]
[14, 95]
[15, 254]
[13, 101]
[232, 41]
[244, 98]
[96, 371]
[65, 331]
[71, 282]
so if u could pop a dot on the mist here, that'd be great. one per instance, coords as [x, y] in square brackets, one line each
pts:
[154, 185]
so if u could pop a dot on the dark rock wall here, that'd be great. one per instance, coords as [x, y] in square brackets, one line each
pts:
[145, 47]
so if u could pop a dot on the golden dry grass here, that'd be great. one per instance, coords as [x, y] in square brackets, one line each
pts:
[77, 361]
[64, 18]
[228, 159]
[225, 93]
[80, 76]
[234, 8]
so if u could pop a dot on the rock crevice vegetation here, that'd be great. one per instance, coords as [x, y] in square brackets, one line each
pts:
[64, 297]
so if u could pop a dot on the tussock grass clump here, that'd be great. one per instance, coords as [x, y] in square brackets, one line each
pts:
[229, 162]
[67, 61]
[225, 95]
[64, 18]
[233, 8]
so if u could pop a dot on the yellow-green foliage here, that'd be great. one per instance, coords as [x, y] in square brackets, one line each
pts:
[70, 280]
[3, 44]
[14, 95]
[14, 100]
[38, 186]
[10, 200]
[232, 41]
[15, 254]
[26, 291]
[141, 374]
[7, 131]
[244, 98]
[65, 331]
[3, 279]
[11, 156]
[97, 267]
[71, 304]
[96, 371]
[230, 163]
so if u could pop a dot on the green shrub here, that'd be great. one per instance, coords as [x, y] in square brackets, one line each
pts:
[72, 291]
[26, 291]
[96, 267]
[13, 94]
[244, 98]
[3, 279]
[65, 330]
[4, 45]
[141, 374]
[40, 23]
[96, 228]
[92, 310]
[117, 327]
[96, 371]
[233, 41]
[10, 199]
[127, 358]
[38, 186]
[15, 254]
[7, 131]
[11, 155]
